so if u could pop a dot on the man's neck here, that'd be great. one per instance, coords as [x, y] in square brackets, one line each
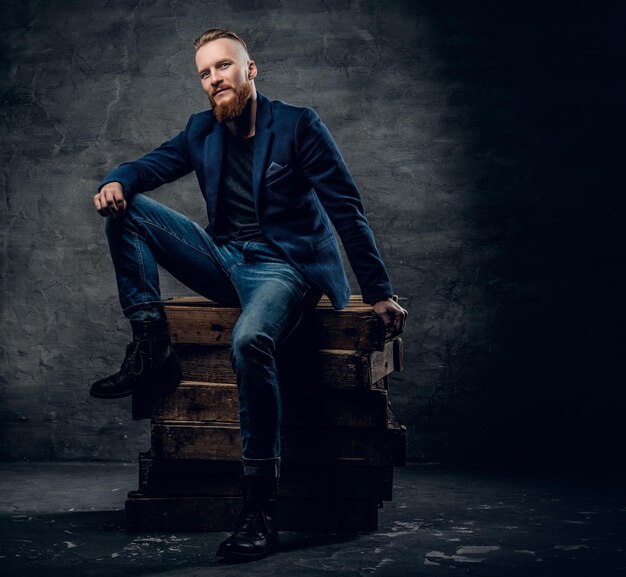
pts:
[244, 126]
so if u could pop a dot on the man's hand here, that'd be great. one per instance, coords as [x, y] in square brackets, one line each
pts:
[110, 200]
[393, 315]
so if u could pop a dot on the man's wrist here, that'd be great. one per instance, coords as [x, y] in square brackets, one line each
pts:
[122, 185]
[375, 300]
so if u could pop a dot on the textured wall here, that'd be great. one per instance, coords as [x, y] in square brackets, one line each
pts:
[472, 133]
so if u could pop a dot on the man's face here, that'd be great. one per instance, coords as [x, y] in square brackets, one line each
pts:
[227, 77]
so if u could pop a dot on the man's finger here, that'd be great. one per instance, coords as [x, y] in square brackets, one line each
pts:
[110, 200]
[119, 205]
[390, 324]
[392, 315]
[403, 320]
[100, 205]
[397, 321]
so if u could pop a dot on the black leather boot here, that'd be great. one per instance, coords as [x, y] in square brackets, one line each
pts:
[150, 363]
[256, 535]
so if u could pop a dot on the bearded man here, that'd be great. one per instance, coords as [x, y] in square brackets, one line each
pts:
[273, 181]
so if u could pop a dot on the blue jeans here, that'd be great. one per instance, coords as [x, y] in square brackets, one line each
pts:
[272, 294]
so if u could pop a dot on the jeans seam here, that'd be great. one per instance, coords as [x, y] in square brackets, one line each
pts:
[178, 238]
[232, 268]
[142, 268]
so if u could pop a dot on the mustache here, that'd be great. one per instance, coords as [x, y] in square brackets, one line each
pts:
[219, 89]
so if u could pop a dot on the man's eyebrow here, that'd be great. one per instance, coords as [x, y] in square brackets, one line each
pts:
[221, 61]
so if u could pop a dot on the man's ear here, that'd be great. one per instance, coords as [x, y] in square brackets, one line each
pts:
[252, 71]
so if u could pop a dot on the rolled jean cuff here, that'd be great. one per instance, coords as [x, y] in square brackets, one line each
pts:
[262, 467]
[148, 311]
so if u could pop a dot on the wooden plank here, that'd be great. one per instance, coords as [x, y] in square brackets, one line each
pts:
[201, 324]
[221, 441]
[317, 409]
[206, 363]
[369, 446]
[350, 329]
[355, 302]
[217, 513]
[398, 355]
[194, 401]
[193, 320]
[332, 368]
[346, 369]
[302, 407]
[147, 513]
[168, 477]
[195, 440]
[383, 363]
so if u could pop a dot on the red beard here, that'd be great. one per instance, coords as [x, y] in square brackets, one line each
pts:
[233, 107]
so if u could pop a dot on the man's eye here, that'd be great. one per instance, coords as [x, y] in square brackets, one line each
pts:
[204, 75]
[225, 65]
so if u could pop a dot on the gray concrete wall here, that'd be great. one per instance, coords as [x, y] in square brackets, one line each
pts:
[472, 132]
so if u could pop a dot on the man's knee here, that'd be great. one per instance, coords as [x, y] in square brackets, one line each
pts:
[251, 345]
[139, 206]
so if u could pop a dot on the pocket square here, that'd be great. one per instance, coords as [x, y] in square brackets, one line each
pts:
[273, 168]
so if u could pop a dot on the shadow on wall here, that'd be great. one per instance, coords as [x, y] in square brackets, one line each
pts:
[533, 376]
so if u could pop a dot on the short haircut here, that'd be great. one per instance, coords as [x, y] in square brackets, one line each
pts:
[215, 34]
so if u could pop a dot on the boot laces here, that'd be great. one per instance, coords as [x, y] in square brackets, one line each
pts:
[250, 516]
[134, 362]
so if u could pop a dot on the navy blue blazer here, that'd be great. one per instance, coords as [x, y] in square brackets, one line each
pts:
[300, 185]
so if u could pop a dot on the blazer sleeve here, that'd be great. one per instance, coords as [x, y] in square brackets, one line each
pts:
[167, 163]
[323, 166]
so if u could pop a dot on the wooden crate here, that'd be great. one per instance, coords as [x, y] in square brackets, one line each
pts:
[340, 440]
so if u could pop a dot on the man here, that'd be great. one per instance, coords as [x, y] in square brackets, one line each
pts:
[273, 180]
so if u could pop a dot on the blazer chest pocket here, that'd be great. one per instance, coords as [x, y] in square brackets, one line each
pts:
[276, 172]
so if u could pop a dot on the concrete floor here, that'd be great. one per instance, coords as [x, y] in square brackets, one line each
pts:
[67, 519]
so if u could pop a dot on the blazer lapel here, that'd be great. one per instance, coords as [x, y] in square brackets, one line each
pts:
[213, 155]
[262, 142]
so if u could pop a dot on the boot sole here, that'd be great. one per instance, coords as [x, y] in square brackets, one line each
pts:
[234, 556]
[168, 384]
